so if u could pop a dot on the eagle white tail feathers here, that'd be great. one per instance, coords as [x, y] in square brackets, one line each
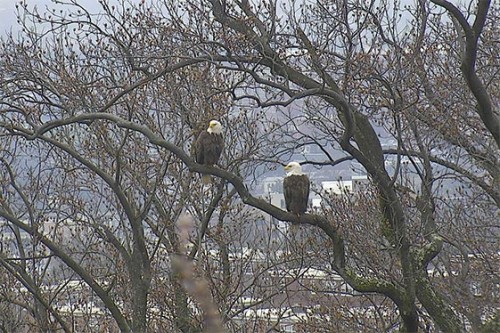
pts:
[206, 179]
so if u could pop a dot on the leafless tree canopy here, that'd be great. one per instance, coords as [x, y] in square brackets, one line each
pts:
[105, 225]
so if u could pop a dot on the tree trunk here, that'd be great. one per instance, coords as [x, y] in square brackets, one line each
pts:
[140, 279]
[440, 311]
[409, 319]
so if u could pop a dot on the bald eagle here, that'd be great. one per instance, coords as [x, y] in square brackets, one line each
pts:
[209, 146]
[296, 189]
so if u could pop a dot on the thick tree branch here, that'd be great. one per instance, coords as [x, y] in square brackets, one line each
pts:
[155, 139]
[436, 306]
[490, 118]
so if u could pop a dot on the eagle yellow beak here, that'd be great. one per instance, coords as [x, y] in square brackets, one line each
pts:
[287, 167]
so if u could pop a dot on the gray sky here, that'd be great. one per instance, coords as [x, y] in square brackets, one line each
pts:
[7, 14]
[8, 10]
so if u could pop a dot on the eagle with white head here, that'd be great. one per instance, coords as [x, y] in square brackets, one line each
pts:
[209, 146]
[296, 189]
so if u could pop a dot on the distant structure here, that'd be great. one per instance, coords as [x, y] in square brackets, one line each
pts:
[357, 184]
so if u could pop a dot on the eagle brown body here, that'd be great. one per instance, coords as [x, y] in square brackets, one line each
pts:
[209, 146]
[296, 188]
